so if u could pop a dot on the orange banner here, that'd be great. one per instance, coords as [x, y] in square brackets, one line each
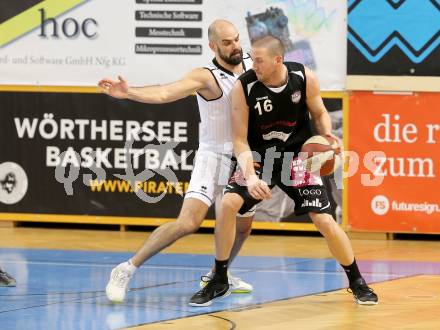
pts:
[394, 152]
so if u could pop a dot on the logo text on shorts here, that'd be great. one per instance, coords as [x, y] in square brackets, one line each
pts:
[309, 192]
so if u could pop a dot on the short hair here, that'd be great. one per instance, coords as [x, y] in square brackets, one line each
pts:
[272, 44]
[211, 32]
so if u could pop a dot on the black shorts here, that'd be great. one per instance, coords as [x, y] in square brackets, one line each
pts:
[309, 195]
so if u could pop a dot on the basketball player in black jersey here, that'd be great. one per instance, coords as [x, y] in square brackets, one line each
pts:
[271, 105]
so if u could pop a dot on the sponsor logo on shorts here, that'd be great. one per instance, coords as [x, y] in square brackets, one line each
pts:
[326, 207]
[313, 203]
[310, 192]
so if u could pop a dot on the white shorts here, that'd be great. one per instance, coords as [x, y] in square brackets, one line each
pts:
[210, 176]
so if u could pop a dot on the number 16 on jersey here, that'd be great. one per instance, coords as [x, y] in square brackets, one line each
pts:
[267, 106]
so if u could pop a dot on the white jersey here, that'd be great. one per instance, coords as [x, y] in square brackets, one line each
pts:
[215, 131]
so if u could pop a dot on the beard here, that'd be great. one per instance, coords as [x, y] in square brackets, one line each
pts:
[234, 59]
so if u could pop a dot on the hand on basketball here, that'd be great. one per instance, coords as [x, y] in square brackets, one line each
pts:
[117, 89]
[258, 189]
[338, 140]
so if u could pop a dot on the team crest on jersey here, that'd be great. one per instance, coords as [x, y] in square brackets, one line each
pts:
[296, 96]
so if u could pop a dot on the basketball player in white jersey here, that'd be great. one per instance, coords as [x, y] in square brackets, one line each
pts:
[212, 165]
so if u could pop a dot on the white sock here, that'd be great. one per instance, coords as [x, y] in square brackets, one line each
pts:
[128, 265]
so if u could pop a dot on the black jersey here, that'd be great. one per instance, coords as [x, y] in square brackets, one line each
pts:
[277, 118]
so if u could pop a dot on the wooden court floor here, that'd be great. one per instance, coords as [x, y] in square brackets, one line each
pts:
[406, 303]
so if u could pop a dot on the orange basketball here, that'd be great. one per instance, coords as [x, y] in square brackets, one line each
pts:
[321, 154]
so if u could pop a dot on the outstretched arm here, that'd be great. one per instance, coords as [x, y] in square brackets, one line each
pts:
[196, 80]
[240, 121]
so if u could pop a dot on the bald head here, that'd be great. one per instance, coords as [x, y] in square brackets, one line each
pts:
[220, 27]
[224, 40]
[273, 45]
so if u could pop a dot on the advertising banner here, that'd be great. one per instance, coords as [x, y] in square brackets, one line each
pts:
[393, 38]
[394, 162]
[78, 42]
[93, 155]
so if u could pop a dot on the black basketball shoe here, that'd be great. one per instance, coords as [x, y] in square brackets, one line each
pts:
[6, 279]
[362, 293]
[214, 289]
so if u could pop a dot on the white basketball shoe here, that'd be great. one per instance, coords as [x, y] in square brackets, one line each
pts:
[117, 286]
